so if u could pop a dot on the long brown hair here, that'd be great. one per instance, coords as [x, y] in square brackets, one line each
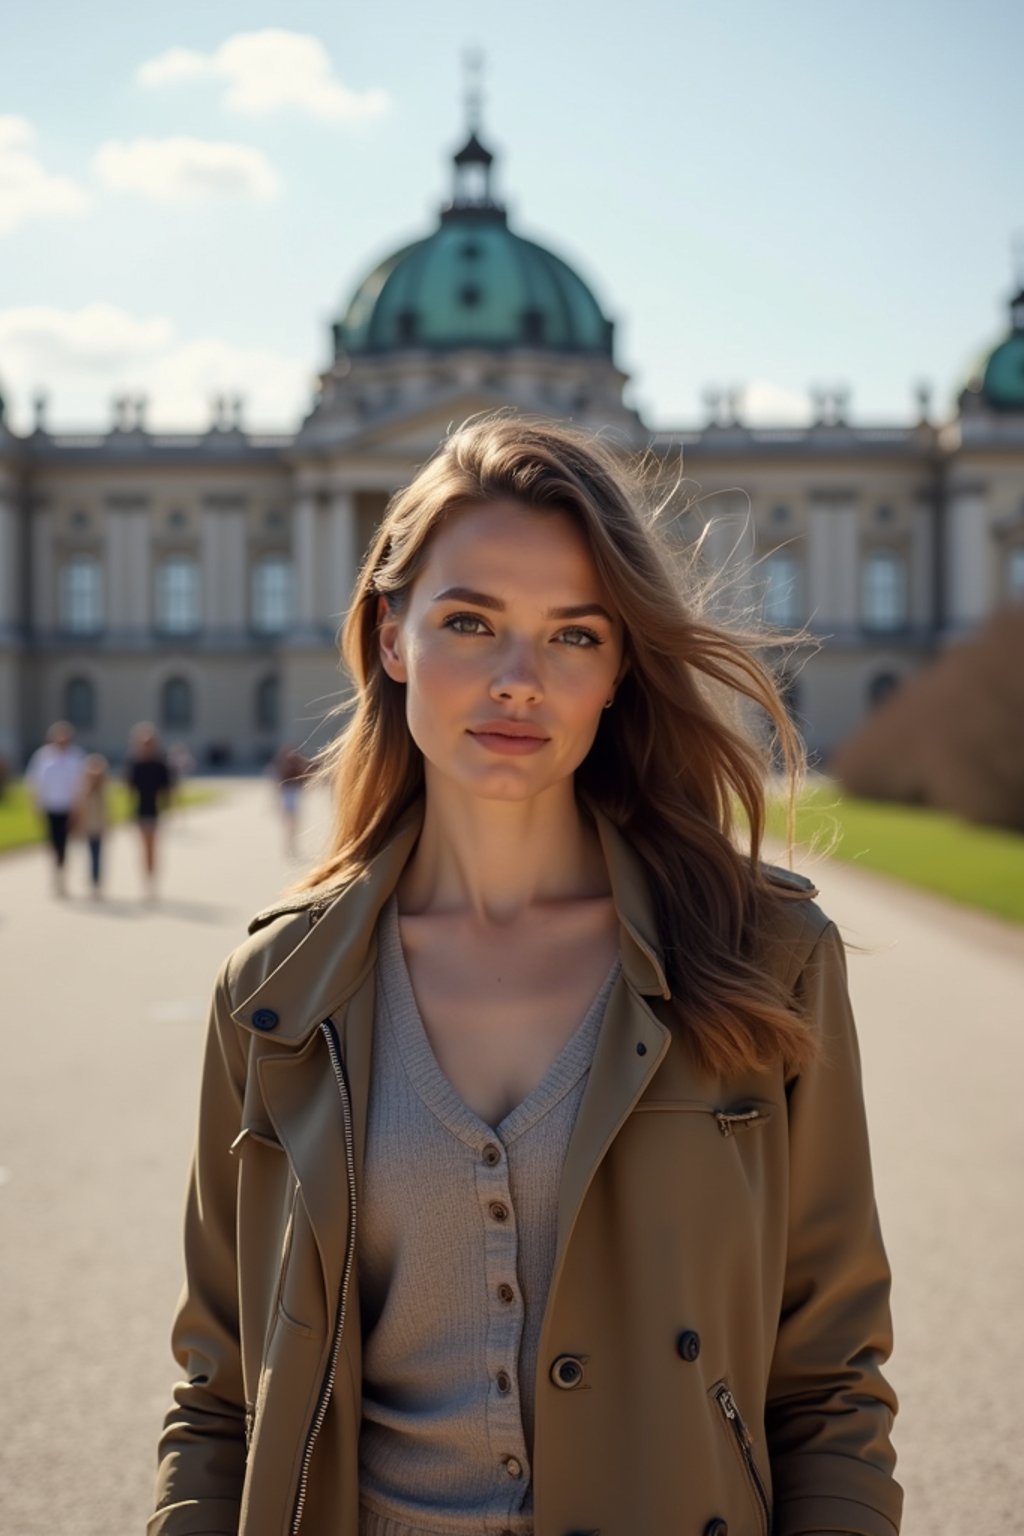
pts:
[674, 764]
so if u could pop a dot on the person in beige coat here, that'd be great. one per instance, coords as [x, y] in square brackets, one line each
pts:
[532, 1193]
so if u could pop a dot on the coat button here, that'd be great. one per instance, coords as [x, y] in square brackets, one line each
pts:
[492, 1154]
[716, 1527]
[688, 1344]
[567, 1372]
[498, 1211]
[264, 1018]
[503, 1381]
[513, 1466]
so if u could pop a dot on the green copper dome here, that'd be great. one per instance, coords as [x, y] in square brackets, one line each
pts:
[998, 376]
[473, 283]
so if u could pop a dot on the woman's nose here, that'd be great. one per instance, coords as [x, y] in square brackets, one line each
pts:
[517, 678]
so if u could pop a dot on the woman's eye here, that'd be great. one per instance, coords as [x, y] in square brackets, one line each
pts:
[584, 638]
[463, 624]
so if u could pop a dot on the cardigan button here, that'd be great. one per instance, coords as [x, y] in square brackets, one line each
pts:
[567, 1372]
[716, 1527]
[264, 1018]
[688, 1344]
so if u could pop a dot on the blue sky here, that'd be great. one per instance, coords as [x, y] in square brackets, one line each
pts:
[762, 197]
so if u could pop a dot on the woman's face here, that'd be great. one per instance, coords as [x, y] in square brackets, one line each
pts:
[507, 627]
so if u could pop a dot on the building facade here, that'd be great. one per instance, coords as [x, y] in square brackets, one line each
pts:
[198, 580]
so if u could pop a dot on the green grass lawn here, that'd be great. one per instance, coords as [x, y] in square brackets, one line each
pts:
[20, 823]
[979, 866]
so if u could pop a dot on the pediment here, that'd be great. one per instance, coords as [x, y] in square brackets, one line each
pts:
[409, 431]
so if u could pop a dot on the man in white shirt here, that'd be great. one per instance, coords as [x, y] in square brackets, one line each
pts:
[54, 775]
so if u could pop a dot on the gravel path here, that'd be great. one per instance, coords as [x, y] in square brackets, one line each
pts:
[100, 1039]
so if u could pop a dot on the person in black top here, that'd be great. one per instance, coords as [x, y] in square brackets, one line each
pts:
[149, 777]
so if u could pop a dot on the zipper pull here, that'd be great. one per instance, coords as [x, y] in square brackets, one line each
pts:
[728, 1118]
[726, 1402]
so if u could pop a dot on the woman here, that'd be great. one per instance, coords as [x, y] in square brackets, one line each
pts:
[92, 816]
[149, 778]
[532, 1192]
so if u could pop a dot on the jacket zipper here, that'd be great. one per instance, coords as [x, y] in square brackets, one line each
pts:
[727, 1403]
[327, 1386]
[730, 1120]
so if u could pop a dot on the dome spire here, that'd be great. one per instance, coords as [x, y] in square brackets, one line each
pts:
[471, 185]
[1017, 302]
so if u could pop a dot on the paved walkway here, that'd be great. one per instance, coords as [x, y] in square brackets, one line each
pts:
[100, 1038]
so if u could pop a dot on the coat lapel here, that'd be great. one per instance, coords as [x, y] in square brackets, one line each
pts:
[330, 974]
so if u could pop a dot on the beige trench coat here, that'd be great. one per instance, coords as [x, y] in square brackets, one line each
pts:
[719, 1277]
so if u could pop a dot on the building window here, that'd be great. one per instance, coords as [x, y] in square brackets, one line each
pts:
[81, 595]
[884, 591]
[781, 602]
[268, 704]
[177, 596]
[272, 595]
[80, 703]
[1015, 573]
[881, 686]
[176, 704]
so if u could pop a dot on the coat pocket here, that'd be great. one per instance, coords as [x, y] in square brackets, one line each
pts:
[736, 1428]
[745, 1115]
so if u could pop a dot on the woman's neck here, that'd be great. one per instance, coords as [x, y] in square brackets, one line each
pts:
[498, 859]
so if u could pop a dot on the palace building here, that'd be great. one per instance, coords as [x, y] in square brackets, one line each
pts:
[198, 580]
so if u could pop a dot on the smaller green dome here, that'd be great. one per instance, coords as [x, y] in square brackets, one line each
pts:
[998, 376]
[473, 283]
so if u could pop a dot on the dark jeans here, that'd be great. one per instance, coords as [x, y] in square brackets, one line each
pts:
[95, 849]
[58, 825]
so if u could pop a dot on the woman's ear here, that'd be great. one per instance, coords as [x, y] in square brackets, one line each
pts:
[388, 627]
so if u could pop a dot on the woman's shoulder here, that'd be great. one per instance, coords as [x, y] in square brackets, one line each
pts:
[272, 934]
[790, 921]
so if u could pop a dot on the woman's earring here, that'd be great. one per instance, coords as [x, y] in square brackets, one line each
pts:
[609, 702]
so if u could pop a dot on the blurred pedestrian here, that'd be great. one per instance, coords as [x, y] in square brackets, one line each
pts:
[91, 815]
[53, 775]
[149, 778]
[291, 770]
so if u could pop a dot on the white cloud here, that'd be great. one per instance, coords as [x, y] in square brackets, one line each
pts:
[27, 190]
[91, 340]
[269, 70]
[764, 403]
[81, 358]
[184, 170]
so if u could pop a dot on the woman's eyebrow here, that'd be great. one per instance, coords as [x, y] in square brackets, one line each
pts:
[482, 600]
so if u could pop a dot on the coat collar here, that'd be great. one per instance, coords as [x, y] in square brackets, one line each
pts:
[331, 959]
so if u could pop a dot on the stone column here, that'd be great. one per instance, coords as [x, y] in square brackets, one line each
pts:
[304, 561]
[10, 563]
[969, 557]
[922, 567]
[43, 593]
[342, 554]
[129, 599]
[224, 570]
[833, 569]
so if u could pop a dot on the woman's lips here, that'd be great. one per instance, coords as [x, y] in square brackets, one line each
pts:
[510, 746]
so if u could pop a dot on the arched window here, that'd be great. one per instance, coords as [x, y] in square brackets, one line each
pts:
[781, 602]
[881, 686]
[268, 704]
[1015, 573]
[80, 703]
[177, 595]
[884, 591]
[272, 595]
[176, 704]
[81, 595]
